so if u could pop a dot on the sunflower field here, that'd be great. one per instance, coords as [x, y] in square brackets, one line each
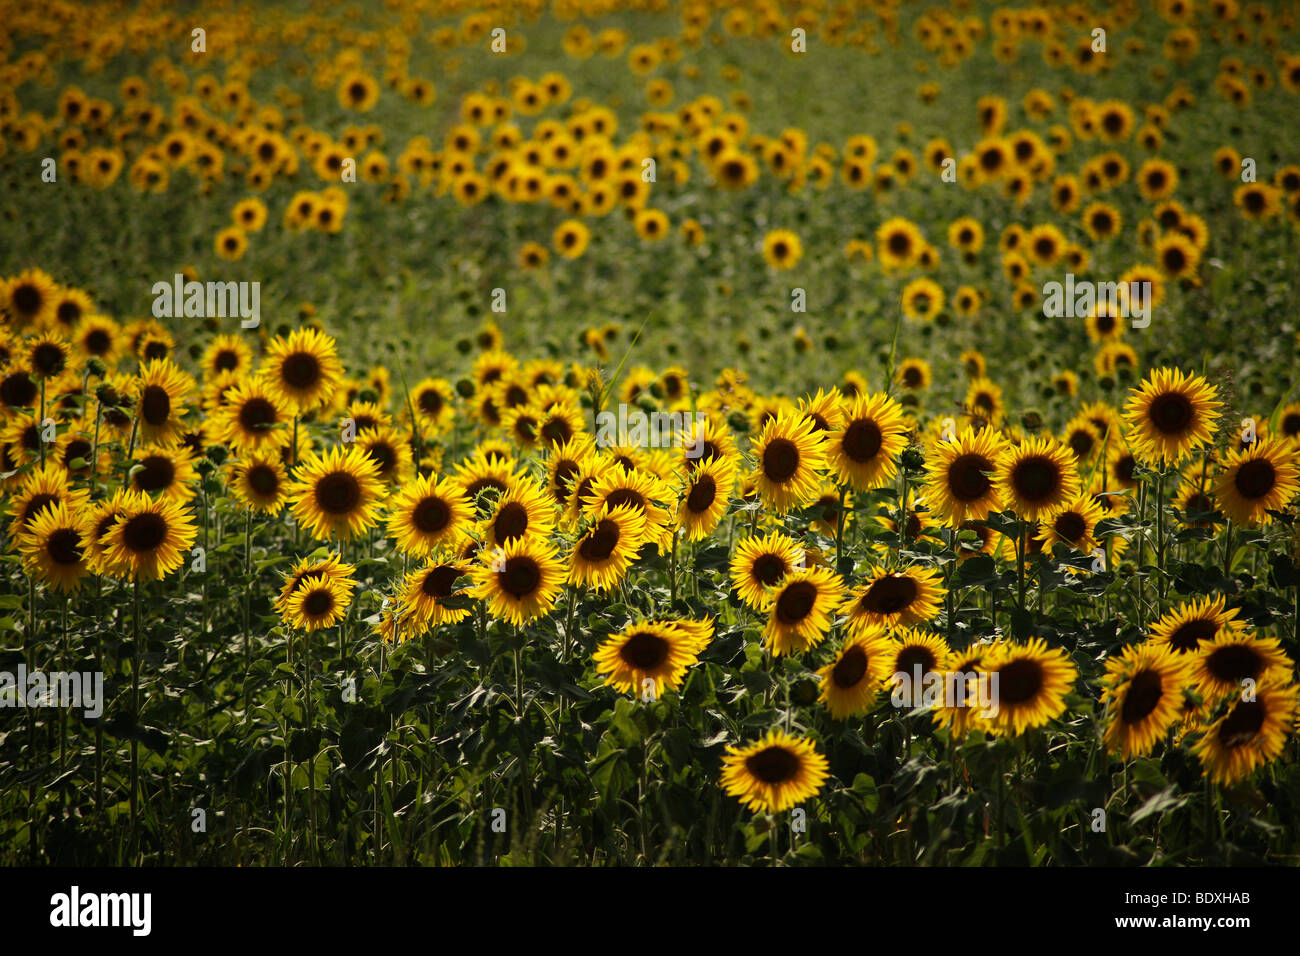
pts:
[666, 432]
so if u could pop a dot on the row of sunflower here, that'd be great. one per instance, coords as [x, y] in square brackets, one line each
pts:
[103, 467]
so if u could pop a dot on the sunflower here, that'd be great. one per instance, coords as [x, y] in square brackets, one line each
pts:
[760, 563]
[983, 402]
[1188, 627]
[1234, 655]
[338, 494]
[53, 547]
[226, 353]
[424, 590]
[49, 355]
[908, 596]
[1251, 733]
[1030, 684]
[303, 368]
[565, 463]
[331, 567]
[164, 471]
[253, 418]
[900, 243]
[388, 449]
[521, 510]
[705, 497]
[825, 410]
[44, 485]
[1142, 691]
[1177, 255]
[481, 477]
[852, 682]
[29, 298]
[316, 603]
[149, 540]
[638, 487]
[1171, 414]
[519, 581]
[959, 487]
[259, 481]
[162, 391]
[862, 452]
[1259, 479]
[966, 709]
[913, 654]
[1073, 523]
[427, 513]
[789, 456]
[602, 556]
[655, 651]
[434, 401]
[1036, 478]
[801, 608]
[774, 774]
[914, 374]
[782, 249]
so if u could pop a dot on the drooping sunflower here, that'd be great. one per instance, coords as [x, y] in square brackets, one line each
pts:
[852, 682]
[774, 774]
[1172, 414]
[53, 547]
[1037, 478]
[652, 651]
[960, 486]
[789, 458]
[1142, 691]
[162, 391]
[149, 540]
[336, 495]
[1256, 480]
[1222, 665]
[1251, 733]
[1031, 683]
[602, 556]
[759, 563]
[318, 602]
[706, 493]
[862, 452]
[801, 609]
[889, 598]
[520, 580]
[303, 368]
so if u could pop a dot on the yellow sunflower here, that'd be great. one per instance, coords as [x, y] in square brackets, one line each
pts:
[1031, 682]
[760, 563]
[658, 652]
[907, 596]
[863, 450]
[790, 457]
[1142, 691]
[775, 773]
[960, 485]
[1036, 478]
[1172, 414]
[1251, 733]
[852, 682]
[801, 608]
[1256, 480]
[602, 556]
[337, 495]
[520, 580]
[149, 540]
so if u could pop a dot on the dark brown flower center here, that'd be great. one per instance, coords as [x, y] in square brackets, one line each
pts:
[773, 765]
[850, 668]
[155, 405]
[703, 493]
[966, 478]
[1035, 479]
[863, 440]
[521, 576]
[145, 532]
[644, 651]
[1019, 681]
[1255, 478]
[64, 546]
[300, 370]
[1144, 692]
[780, 460]
[438, 582]
[1242, 725]
[431, 515]
[890, 594]
[1233, 663]
[157, 472]
[318, 603]
[796, 602]
[338, 493]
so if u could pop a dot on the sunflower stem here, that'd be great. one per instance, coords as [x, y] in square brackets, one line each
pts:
[135, 715]
[1160, 538]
